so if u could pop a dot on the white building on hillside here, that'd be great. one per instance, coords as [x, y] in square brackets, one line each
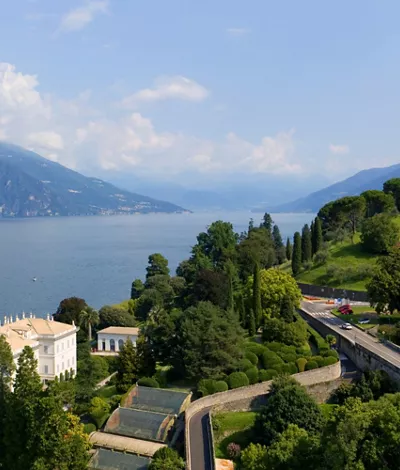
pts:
[53, 343]
[111, 339]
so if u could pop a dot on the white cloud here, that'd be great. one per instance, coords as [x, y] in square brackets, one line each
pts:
[165, 88]
[339, 149]
[80, 17]
[237, 31]
[47, 140]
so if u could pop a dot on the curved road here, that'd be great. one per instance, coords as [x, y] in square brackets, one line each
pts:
[200, 449]
[321, 312]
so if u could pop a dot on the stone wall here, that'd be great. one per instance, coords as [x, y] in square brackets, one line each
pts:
[245, 398]
[332, 292]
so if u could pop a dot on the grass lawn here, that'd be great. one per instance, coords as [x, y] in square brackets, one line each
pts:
[107, 392]
[327, 409]
[233, 427]
[360, 312]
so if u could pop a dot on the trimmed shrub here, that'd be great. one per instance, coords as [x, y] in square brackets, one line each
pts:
[289, 368]
[330, 353]
[270, 374]
[89, 428]
[237, 379]
[256, 348]
[114, 401]
[318, 340]
[287, 356]
[319, 360]
[304, 351]
[244, 364]
[275, 346]
[161, 378]
[233, 450]
[221, 386]
[311, 365]
[328, 361]
[301, 364]
[270, 359]
[251, 357]
[252, 375]
[148, 382]
[206, 387]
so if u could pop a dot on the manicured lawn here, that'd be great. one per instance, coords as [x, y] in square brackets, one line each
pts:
[233, 427]
[327, 409]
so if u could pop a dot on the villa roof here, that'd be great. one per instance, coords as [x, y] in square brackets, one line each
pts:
[41, 326]
[120, 330]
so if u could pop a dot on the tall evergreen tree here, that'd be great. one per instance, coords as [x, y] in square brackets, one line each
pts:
[306, 246]
[6, 370]
[257, 309]
[278, 245]
[317, 238]
[127, 367]
[289, 249]
[252, 323]
[296, 256]
[145, 356]
[242, 312]
[267, 222]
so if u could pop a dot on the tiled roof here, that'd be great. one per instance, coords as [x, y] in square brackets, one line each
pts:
[120, 330]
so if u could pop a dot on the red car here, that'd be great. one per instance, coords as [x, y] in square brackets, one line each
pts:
[345, 310]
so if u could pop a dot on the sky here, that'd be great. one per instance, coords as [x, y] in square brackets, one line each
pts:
[211, 88]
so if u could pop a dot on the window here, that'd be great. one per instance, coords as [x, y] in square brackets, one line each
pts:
[46, 349]
[120, 344]
[104, 345]
[46, 369]
[112, 345]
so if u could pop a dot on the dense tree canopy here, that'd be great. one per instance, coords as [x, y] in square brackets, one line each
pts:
[378, 202]
[70, 310]
[379, 234]
[115, 316]
[392, 187]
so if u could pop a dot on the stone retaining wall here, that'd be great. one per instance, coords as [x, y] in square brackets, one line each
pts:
[244, 398]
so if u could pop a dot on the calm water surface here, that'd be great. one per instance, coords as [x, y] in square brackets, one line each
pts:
[98, 257]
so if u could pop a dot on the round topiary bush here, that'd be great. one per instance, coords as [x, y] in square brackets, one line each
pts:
[287, 356]
[331, 353]
[319, 360]
[233, 450]
[301, 364]
[89, 428]
[269, 359]
[256, 348]
[289, 368]
[206, 387]
[238, 379]
[244, 364]
[148, 382]
[252, 375]
[268, 374]
[221, 386]
[328, 361]
[304, 351]
[275, 346]
[251, 357]
[311, 365]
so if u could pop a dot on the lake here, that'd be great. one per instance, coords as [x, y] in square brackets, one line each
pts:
[97, 258]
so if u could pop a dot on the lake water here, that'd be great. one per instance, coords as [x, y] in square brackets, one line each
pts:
[97, 258]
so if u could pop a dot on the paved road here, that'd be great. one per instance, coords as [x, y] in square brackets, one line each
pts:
[200, 451]
[322, 313]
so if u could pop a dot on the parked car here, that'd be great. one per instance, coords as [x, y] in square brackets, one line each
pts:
[346, 326]
[345, 310]
[364, 321]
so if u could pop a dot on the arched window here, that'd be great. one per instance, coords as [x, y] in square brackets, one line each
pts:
[112, 345]
[120, 344]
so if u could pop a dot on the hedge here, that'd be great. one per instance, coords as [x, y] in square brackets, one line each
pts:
[328, 361]
[238, 379]
[301, 364]
[251, 357]
[256, 348]
[330, 353]
[289, 368]
[304, 351]
[89, 428]
[317, 340]
[270, 359]
[244, 364]
[265, 375]
[252, 375]
[311, 365]
[319, 360]
[148, 382]
[209, 386]
[287, 356]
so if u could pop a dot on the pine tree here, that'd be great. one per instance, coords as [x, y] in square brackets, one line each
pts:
[306, 247]
[317, 235]
[296, 256]
[289, 249]
[252, 323]
[145, 357]
[278, 245]
[257, 309]
[127, 367]
[267, 223]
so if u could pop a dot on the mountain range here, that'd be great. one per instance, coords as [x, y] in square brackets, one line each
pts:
[372, 178]
[32, 186]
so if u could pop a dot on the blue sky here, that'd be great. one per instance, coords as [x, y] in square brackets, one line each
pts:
[210, 88]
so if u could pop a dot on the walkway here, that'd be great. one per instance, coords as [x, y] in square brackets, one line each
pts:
[200, 448]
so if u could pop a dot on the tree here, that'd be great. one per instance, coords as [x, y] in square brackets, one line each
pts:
[99, 411]
[145, 357]
[127, 367]
[157, 265]
[292, 334]
[252, 323]
[331, 340]
[287, 404]
[88, 318]
[7, 368]
[115, 316]
[297, 252]
[254, 457]
[354, 209]
[70, 309]
[257, 308]
[275, 285]
[384, 287]
[317, 237]
[287, 309]
[278, 244]
[289, 249]
[210, 341]
[306, 246]
[379, 234]
[267, 223]
[166, 459]
[346, 212]
[218, 243]
[137, 289]
[378, 202]
[212, 286]
[392, 187]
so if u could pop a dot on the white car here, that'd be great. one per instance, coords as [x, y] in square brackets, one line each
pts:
[364, 321]
[346, 326]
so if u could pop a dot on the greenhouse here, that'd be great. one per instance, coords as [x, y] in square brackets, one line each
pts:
[110, 460]
[159, 400]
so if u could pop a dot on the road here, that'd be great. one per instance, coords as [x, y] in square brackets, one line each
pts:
[200, 450]
[322, 313]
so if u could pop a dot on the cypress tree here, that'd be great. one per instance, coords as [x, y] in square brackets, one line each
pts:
[267, 223]
[252, 323]
[289, 249]
[306, 248]
[287, 309]
[242, 312]
[280, 251]
[318, 239]
[312, 231]
[257, 310]
[296, 256]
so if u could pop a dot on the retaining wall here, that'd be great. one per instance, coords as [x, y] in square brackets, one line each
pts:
[332, 292]
[245, 398]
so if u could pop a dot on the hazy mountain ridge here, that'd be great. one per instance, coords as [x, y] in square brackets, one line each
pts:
[372, 178]
[32, 186]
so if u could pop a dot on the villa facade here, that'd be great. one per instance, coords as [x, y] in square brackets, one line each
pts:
[112, 339]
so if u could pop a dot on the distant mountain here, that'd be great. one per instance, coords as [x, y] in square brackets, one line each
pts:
[32, 186]
[356, 184]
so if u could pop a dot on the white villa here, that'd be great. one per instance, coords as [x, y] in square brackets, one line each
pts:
[53, 343]
[111, 339]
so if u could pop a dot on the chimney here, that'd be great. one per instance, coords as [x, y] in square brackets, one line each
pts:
[73, 323]
[31, 315]
[48, 317]
[5, 320]
[16, 317]
[10, 319]
[23, 315]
